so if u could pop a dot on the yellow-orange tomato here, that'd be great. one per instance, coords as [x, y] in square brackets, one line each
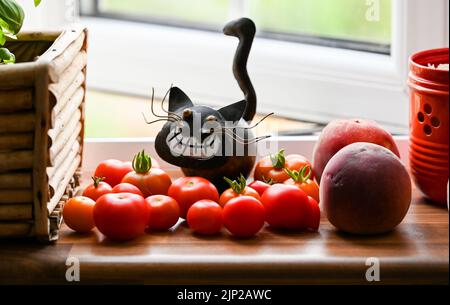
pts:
[150, 181]
[154, 182]
[302, 179]
[78, 214]
[310, 187]
[272, 168]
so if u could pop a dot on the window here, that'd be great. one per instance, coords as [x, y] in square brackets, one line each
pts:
[314, 60]
[354, 24]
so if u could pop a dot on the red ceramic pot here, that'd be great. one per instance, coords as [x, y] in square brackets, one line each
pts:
[429, 127]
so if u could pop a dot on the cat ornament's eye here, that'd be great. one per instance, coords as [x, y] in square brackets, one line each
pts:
[211, 118]
[187, 113]
[211, 122]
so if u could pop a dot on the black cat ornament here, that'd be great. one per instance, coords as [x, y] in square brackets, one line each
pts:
[213, 143]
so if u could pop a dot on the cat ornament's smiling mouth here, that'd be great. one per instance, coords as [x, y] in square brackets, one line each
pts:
[203, 145]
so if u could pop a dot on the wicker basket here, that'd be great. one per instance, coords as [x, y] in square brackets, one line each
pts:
[41, 130]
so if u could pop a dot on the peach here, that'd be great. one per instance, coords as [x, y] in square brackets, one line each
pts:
[365, 189]
[341, 133]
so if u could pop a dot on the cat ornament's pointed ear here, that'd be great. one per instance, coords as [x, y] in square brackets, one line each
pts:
[233, 112]
[178, 100]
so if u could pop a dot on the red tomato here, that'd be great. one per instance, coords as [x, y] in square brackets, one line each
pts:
[286, 207]
[127, 188]
[244, 216]
[97, 189]
[205, 217]
[113, 171]
[237, 188]
[78, 214]
[302, 180]
[121, 216]
[259, 186]
[313, 221]
[188, 190]
[150, 181]
[163, 212]
[272, 167]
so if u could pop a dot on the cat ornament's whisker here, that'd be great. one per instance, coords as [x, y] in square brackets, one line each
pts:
[158, 120]
[251, 127]
[162, 105]
[152, 108]
[243, 141]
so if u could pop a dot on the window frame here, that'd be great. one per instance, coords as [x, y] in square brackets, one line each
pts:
[238, 8]
[312, 83]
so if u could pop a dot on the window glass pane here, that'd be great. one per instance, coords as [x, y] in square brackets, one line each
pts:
[355, 24]
[356, 20]
[200, 12]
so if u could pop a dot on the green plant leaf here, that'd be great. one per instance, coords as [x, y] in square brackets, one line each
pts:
[37, 2]
[2, 37]
[9, 35]
[6, 56]
[11, 16]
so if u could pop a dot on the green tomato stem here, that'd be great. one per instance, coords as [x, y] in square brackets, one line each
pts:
[142, 163]
[238, 186]
[301, 176]
[278, 160]
[97, 180]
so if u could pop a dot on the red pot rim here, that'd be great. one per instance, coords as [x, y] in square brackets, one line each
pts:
[419, 61]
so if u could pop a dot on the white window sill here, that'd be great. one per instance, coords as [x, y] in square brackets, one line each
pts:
[97, 150]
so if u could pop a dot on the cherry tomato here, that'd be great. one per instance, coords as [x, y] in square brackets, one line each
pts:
[163, 212]
[237, 188]
[259, 186]
[286, 206]
[121, 216]
[78, 214]
[313, 220]
[302, 180]
[150, 181]
[205, 217]
[154, 182]
[272, 167]
[188, 190]
[113, 171]
[127, 188]
[244, 216]
[97, 189]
